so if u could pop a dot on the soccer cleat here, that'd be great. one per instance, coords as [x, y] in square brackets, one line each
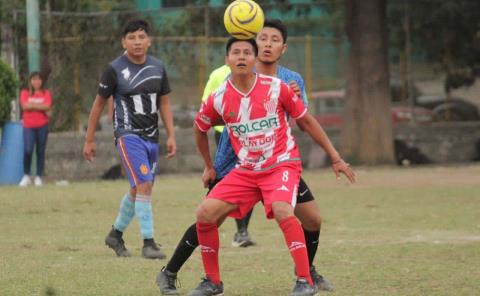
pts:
[166, 282]
[303, 288]
[25, 181]
[38, 181]
[117, 244]
[242, 239]
[152, 251]
[207, 288]
[322, 283]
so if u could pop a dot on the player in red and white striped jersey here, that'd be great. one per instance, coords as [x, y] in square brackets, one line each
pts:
[253, 108]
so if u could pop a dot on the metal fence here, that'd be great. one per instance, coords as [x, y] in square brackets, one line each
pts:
[77, 46]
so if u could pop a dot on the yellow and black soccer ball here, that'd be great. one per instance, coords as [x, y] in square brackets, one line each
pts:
[243, 19]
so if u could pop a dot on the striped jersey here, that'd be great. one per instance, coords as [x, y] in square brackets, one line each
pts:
[136, 91]
[225, 158]
[257, 121]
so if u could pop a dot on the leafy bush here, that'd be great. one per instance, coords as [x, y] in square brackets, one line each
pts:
[8, 91]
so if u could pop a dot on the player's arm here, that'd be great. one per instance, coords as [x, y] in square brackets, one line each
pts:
[310, 125]
[110, 109]
[167, 119]
[201, 139]
[298, 86]
[106, 87]
[205, 118]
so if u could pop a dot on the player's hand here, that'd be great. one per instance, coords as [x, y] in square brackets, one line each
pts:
[208, 177]
[296, 89]
[171, 148]
[340, 166]
[89, 150]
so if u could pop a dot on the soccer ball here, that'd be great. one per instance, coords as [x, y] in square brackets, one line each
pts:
[243, 19]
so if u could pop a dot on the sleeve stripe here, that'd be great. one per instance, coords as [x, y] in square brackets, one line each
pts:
[301, 115]
[200, 128]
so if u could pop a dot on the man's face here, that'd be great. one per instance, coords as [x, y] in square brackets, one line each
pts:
[270, 45]
[136, 43]
[241, 58]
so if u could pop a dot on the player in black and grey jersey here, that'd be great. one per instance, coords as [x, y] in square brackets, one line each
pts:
[136, 89]
[139, 85]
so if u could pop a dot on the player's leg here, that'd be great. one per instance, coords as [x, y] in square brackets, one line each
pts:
[208, 214]
[125, 214]
[187, 244]
[309, 215]
[126, 211]
[235, 195]
[279, 190]
[167, 276]
[241, 238]
[143, 201]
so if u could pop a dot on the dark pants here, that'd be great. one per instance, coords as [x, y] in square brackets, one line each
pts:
[34, 137]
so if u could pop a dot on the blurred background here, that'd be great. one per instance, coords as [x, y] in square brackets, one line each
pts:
[78, 38]
[433, 60]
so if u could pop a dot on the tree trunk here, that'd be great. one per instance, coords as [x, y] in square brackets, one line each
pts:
[367, 135]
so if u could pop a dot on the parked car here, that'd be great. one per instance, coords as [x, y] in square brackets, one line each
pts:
[443, 108]
[449, 109]
[327, 107]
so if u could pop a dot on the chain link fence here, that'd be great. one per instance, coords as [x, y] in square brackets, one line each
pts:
[190, 40]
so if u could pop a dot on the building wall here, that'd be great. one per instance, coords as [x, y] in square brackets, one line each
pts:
[441, 143]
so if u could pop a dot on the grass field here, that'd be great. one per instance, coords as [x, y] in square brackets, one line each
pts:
[396, 232]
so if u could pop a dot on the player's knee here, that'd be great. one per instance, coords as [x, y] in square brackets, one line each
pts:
[312, 223]
[204, 214]
[144, 188]
[133, 192]
[282, 210]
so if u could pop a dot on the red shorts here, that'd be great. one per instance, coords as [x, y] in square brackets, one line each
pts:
[245, 188]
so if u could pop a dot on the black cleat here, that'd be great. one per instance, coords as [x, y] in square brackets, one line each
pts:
[152, 251]
[116, 243]
[166, 281]
[207, 288]
[318, 280]
[242, 239]
[303, 288]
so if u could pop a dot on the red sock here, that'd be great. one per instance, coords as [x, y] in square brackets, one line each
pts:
[209, 245]
[295, 239]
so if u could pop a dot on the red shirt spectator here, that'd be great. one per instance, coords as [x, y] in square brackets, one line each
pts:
[35, 118]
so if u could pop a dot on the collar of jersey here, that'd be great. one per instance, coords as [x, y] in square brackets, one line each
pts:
[241, 93]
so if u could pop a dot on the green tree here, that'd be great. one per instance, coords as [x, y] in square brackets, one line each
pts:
[8, 91]
[446, 33]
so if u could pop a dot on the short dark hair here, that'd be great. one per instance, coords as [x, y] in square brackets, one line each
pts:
[277, 24]
[252, 41]
[135, 25]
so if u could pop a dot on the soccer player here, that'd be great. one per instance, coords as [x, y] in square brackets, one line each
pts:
[254, 108]
[139, 85]
[272, 45]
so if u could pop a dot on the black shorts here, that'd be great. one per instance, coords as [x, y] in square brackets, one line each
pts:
[304, 193]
